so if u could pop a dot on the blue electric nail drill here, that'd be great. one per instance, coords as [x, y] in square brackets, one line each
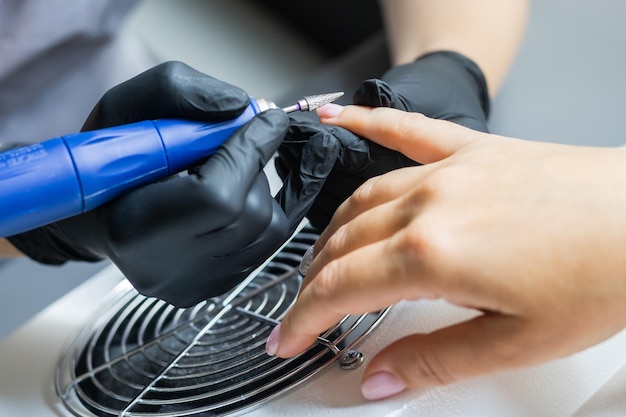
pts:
[66, 176]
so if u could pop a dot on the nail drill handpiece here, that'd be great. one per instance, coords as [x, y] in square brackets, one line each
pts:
[68, 175]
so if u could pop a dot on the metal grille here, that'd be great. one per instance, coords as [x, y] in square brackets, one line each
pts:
[140, 356]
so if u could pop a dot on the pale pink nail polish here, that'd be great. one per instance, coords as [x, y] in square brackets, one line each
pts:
[306, 260]
[329, 110]
[381, 385]
[271, 346]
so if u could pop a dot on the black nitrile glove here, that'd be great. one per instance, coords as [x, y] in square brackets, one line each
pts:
[189, 237]
[305, 138]
[443, 85]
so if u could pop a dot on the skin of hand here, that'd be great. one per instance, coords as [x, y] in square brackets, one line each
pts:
[416, 27]
[530, 234]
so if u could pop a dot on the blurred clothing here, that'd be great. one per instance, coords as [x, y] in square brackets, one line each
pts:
[58, 58]
[333, 25]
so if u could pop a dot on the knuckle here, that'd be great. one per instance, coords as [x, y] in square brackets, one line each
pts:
[427, 238]
[171, 69]
[107, 109]
[409, 125]
[414, 243]
[363, 194]
[410, 244]
[108, 101]
[143, 284]
[336, 241]
[411, 249]
[438, 182]
[423, 249]
[169, 77]
[325, 286]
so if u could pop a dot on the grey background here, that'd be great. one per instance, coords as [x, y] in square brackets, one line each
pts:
[565, 86]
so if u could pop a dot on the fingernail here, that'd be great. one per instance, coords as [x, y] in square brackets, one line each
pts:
[306, 260]
[271, 346]
[329, 110]
[381, 385]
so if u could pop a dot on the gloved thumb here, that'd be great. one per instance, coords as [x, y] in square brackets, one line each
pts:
[483, 345]
[242, 157]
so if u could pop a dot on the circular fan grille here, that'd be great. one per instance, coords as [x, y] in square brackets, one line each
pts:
[140, 356]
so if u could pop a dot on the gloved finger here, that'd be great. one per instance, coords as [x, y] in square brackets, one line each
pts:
[446, 86]
[169, 90]
[354, 154]
[480, 346]
[290, 151]
[330, 197]
[377, 93]
[302, 185]
[305, 138]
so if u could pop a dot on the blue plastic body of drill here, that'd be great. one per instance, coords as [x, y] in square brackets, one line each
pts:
[69, 175]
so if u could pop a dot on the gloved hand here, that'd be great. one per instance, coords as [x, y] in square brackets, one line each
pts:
[443, 85]
[305, 138]
[194, 236]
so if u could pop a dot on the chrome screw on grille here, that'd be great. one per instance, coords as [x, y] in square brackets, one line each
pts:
[351, 359]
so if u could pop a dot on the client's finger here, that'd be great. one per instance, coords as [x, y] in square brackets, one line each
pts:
[419, 137]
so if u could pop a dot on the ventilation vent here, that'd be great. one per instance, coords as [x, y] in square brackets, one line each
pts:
[139, 356]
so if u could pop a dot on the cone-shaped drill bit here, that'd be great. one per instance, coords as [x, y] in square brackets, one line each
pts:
[311, 103]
